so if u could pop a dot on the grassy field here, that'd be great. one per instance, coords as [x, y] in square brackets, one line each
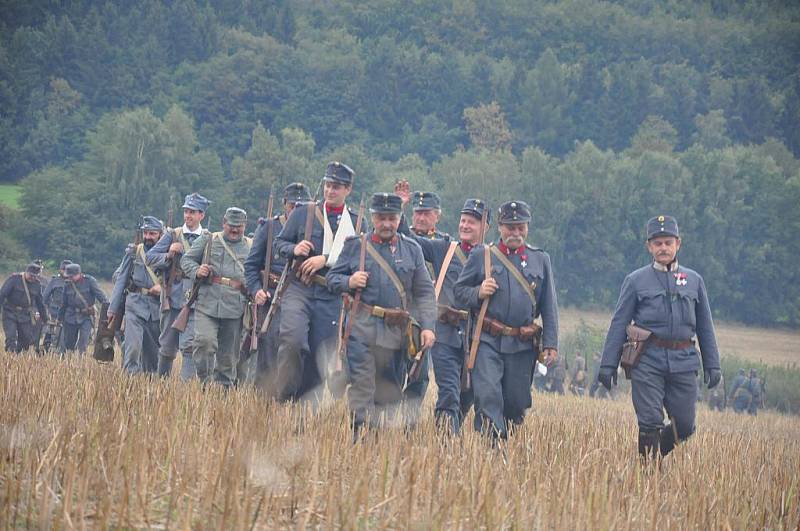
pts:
[83, 445]
[9, 195]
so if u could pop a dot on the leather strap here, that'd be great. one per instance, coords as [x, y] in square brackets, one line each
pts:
[81, 297]
[221, 239]
[443, 271]
[150, 272]
[389, 272]
[516, 274]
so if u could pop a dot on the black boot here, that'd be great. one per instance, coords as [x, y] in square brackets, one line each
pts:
[648, 444]
[667, 439]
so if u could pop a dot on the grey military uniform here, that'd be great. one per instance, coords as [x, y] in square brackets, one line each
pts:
[20, 299]
[504, 365]
[376, 362]
[142, 311]
[77, 312]
[220, 306]
[674, 306]
[171, 340]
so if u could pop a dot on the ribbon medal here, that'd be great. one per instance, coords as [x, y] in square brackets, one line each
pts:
[680, 279]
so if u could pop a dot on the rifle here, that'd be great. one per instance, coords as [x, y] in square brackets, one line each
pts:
[307, 231]
[487, 272]
[182, 320]
[253, 338]
[169, 277]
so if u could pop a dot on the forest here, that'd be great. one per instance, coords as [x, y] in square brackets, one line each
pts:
[599, 114]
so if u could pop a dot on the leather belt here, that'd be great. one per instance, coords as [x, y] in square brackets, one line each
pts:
[145, 291]
[450, 315]
[238, 285]
[498, 328]
[672, 345]
[392, 316]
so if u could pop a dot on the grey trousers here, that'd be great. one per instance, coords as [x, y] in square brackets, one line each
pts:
[172, 341]
[140, 347]
[216, 348]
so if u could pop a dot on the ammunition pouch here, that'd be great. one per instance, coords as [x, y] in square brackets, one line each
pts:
[451, 316]
[238, 285]
[634, 347]
[413, 342]
[393, 317]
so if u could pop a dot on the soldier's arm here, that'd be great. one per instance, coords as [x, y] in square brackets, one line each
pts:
[40, 303]
[623, 314]
[158, 256]
[469, 281]
[6, 289]
[254, 263]
[424, 293]
[291, 234]
[123, 272]
[705, 330]
[548, 307]
[62, 308]
[98, 293]
[338, 276]
[48, 292]
[191, 260]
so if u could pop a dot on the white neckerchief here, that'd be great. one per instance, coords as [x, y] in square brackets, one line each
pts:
[332, 244]
[198, 231]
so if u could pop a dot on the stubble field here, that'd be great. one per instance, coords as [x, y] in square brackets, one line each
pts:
[84, 445]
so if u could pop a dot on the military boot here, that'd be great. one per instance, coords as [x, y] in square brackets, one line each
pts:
[648, 445]
[668, 441]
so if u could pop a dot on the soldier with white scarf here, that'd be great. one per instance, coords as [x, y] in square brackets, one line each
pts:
[309, 312]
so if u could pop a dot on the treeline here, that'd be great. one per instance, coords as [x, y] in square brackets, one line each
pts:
[600, 114]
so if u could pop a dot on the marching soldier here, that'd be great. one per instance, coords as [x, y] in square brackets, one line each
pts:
[165, 257]
[217, 260]
[577, 383]
[394, 283]
[557, 375]
[670, 302]
[52, 297]
[452, 343]
[520, 287]
[739, 382]
[746, 392]
[77, 308]
[309, 312]
[21, 301]
[268, 346]
[142, 310]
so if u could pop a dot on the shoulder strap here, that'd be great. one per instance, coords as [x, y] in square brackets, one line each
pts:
[516, 274]
[27, 291]
[460, 255]
[80, 296]
[389, 272]
[150, 272]
[221, 239]
[443, 271]
[318, 213]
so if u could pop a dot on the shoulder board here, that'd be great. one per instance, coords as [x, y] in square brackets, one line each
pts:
[90, 277]
[177, 231]
[353, 237]
[532, 248]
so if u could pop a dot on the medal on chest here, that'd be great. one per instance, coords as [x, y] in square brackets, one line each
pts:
[680, 279]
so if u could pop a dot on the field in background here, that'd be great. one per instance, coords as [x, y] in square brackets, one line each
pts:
[85, 445]
[9, 195]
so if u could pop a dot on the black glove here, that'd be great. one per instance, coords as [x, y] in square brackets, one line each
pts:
[606, 376]
[712, 377]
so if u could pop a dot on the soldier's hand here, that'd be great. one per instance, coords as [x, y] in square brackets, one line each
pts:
[110, 315]
[606, 376]
[175, 248]
[428, 338]
[487, 289]
[261, 297]
[358, 280]
[549, 356]
[310, 266]
[403, 189]
[203, 271]
[130, 249]
[303, 248]
[155, 291]
[712, 377]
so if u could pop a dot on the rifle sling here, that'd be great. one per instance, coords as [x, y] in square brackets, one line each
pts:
[150, 272]
[221, 239]
[451, 250]
[516, 274]
[389, 272]
[81, 297]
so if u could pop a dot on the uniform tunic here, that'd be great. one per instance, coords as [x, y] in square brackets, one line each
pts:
[77, 312]
[18, 310]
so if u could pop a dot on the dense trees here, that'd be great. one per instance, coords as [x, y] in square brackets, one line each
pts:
[598, 113]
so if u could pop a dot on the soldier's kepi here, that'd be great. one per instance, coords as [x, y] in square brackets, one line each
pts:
[668, 306]
[165, 257]
[395, 284]
[517, 280]
[313, 238]
[138, 288]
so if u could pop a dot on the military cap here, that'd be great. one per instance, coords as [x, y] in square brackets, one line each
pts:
[64, 263]
[385, 204]
[296, 193]
[476, 207]
[426, 201]
[339, 173]
[514, 212]
[235, 216]
[662, 226]
[195, 201]
[72, 269]
[34, 268]
[151, 223]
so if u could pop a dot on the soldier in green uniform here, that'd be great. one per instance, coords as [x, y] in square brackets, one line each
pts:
[21, 301]
[217, 260]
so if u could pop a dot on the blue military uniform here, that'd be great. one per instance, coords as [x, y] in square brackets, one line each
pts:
[52, 297]
[452, 341]
[506, 356]
[77, 309]
[376, 359]
[266, 362]
[746, 393]
[20, 299]
[142, 308]
[159, 258]
[309, 314]
[672, 303]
